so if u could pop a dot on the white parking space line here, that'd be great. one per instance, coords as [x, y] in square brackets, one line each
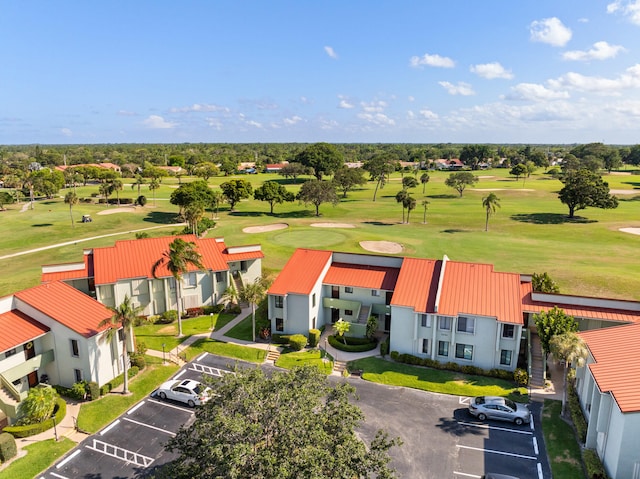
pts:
[150, 426]
[109, 427]
[177, 376]
[464, 400]
[494, 428]
[202, 356]
[201, 368]
[522, 456]
[535, 445]
[533, 428]
[135, 408]
[58, 475]
[155, 401]
[540, 476]
[61, 464]
[120, 453]
[475, 476]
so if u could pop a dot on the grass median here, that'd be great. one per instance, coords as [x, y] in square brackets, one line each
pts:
[560, 440]
[40, 456]
[314, 357]
[229, 350]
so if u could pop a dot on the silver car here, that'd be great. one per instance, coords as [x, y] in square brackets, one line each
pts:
[503, 409]
[187, 391]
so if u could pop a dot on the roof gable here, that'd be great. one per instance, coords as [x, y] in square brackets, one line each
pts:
[18, 328]
[417, 284]
[362, 276]
[301, 273]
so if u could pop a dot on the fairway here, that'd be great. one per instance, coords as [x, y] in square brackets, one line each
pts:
[309, 238]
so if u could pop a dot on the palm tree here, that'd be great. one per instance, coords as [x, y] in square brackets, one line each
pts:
[116, 185]
[216, 199]
[400, 198]
[340, 327]
[570, 349]
[231, 294]
[106, 189]
[123, 317]
[71, 199]
[425, 203]
[138, 182]
[490, 203]
[154, 184]
[177, 259]
[193, 213]
[424, 179]
[410, 204]
[253, 293]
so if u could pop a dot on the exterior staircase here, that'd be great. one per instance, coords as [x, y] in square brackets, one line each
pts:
[537, 364]
[339, 367]
[273, 355]
[8, 404]
[364, 314]
[237, 283]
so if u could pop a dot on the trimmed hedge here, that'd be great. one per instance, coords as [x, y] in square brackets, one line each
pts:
[577, 416]
[384, 347]
[593, 465]
[280, 338]
[354, 345]
[33, 429]
[297, 342]
[314, 337]
[117, 381]
[8, 448]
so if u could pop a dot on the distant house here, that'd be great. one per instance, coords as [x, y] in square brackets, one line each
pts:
[445, 164]
[104, 166]
[172, 170]
[52, 331]
[274, 167]
[609, 390]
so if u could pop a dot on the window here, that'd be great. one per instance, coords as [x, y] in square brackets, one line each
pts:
[279, 301]
[464, 351]
[348, 312]
[505, 357]
[444, 323]
[313, 300]
[508, 331]
[425, 346]
[375, 292]
[190, 280]
[466, 325]
[121, 334]
[348, 289]
[443, 348]
[425, 320]
[78, 375]
[11, 352]
[279, 324]
[74, 348]
[219, 278]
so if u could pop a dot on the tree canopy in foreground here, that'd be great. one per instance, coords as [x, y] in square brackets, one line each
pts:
[291, 425]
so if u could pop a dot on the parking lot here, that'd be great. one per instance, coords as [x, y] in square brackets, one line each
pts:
[441, 440]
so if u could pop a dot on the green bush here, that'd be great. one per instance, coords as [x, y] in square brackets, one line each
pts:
[8, 448]
[577, 417]
[117, 381]
[593, 465]
[314, 337]
[60, 412]
[280, 338]
[297, 342]
[141, 200]
[138, 361]
[167, 317]
[234, 309]
[93, 391]
[521, 377]
[354, 345]
[384, 347]
[473, 370]
[216, 309]
[394, 355]
[78, 390]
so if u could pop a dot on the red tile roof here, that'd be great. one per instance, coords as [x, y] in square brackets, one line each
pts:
[362, 276]
[301, 272]
[417, 284]
[67, 305]
[474, 288]
[616, 351]
[134, 258]
[587, 312]
[18, 328]
[86, 272]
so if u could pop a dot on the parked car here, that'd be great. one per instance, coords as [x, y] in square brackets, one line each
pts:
[491, 475]
[503, 409]
[187, 391]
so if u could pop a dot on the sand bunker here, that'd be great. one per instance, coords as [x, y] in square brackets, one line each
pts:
[502, 189]
[382, 246]
[620, 173]
[633, 231]
[484, 177]
[624, 192]
[333, 225]
[124, 209]
[265, 228]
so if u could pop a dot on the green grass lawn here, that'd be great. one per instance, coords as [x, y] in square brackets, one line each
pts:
[561, 444]
[40, 456]
[447, 382]
[155, 335]
[291, 359]
[95, 415]
[242, 330]
[229, 350]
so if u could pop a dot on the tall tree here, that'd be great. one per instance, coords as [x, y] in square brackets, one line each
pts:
[196, 192]
[123, 317]
[409, 182]
[410, 204]
[460, 180]
[401, 196]
[542, 283]
[71, 199]
[106, 189]
[177, 260]
[205, 170]
[216, 199]
[273, 192]
[425, 204]
[474, 155]
[346, 179]
[286, 425]
[552, 323]
[518, 170]
[490, 203]
[154, 184]
[116, 184]
[138, 182]
[254, 293]
[324, 158]
[424, 179]
[293, 170]
[584, 188]
[380, 168]
[193, 213]
[571, 350]
[317, 192]
[236, 190]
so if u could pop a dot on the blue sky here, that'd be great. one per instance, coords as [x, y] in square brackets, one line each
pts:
[525, 71]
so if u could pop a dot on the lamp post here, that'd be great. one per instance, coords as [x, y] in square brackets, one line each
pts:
[164, 359]
[55, 430]
[211, 318]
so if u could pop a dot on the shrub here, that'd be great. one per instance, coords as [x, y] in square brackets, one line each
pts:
[138, 361]
[38, 405]
[297, 342]
[593, 465]
[474, 370]
[141, 200]
[167, 317]
[93, 391]
[451, 366]
[314, 337]
[8, 448]
[195, 312]
[117, 381]
[372, 326]
[234, 309]
[60, 412]
[521, 377]
[78, 390]
[142, 235]
[280, 338]
[354, 345]
[577, 416]
[394, 355]
[384, 347]
[216, 309]
[141, 347]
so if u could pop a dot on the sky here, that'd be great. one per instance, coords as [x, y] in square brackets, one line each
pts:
[342, 71]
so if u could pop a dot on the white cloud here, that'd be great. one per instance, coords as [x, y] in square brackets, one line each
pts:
[379, 119]
[254, 123]
[491, 71]
[331, 52]
[214, 123]
[197, 107]
[375, 106]
[411, 98]
[599, 51]
[535, 92]
[461, 88]
[328, 124]
[305, 101]
[605, 86]
[583, 20]
[428, 114]
[293, 120]
[432, 61]
[551, 31]
[628, 8]
[66, 131]
[156, 122]
[345, 103]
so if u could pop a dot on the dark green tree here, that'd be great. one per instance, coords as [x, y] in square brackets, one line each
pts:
[317, 192]
[401, 196]
[324, 158]
[410, 204]
[409, 182]
[205, 170]
[71, 199]
[293, 170]
[473, 155]
[490, 203]
[287, 426]
[380, 168]
[460, 180]
[552, 323]
[542, 283]
[236, 190]
[346, 179]
[584, 188]
[518, 170]
[196, 192]
[273, 192]
[424, 179]
[6, 198]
